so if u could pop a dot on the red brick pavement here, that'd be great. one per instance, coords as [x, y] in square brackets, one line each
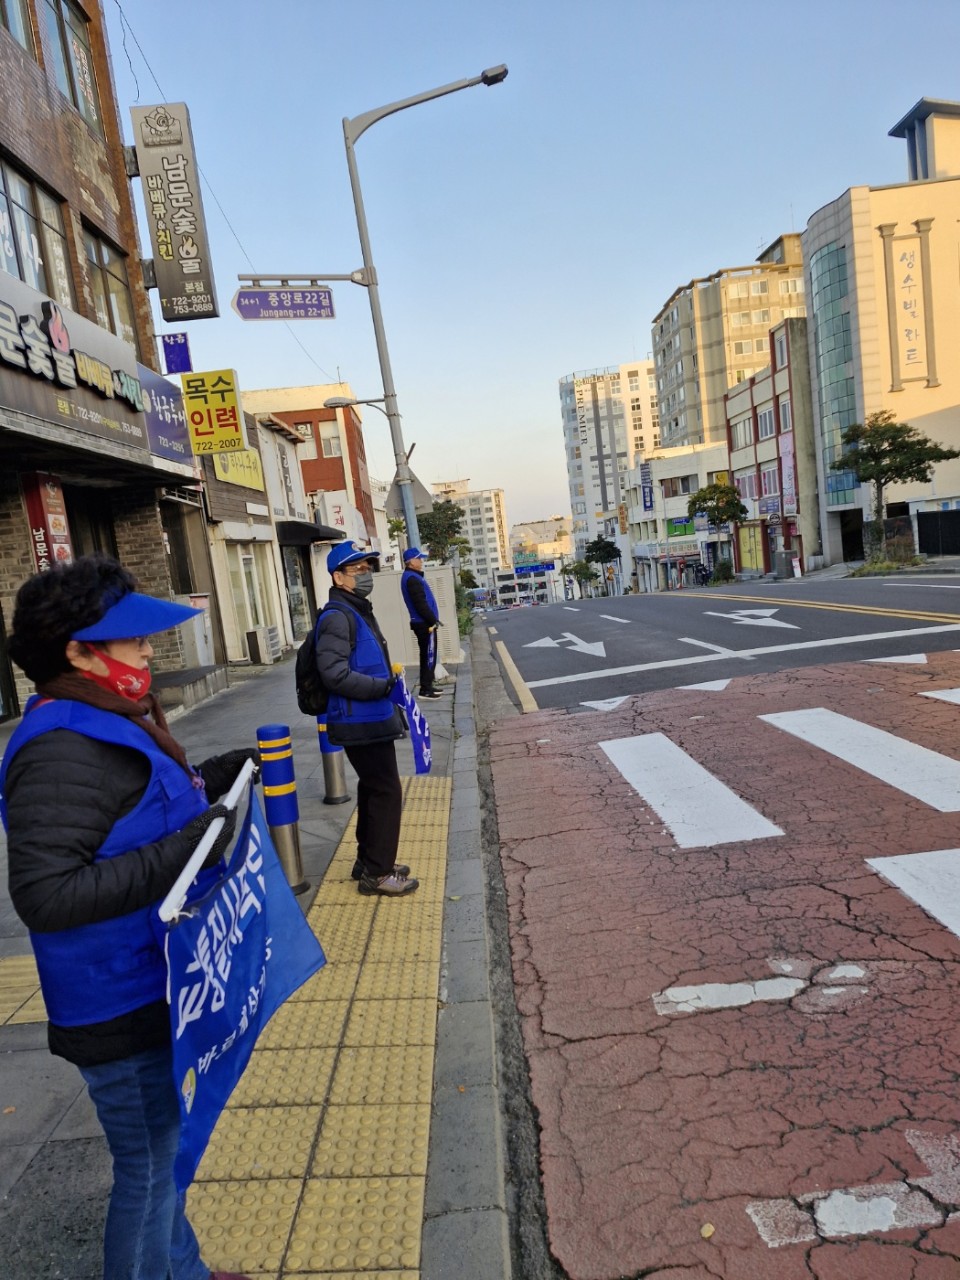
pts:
[656, 1128]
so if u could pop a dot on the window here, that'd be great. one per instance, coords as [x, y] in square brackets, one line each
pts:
[15, 17]
[33, 246]
[763, 346]
[761, 317]
[746, 483]
[72, 63]
[758, 287]
[108, 281]
[780, 346]
[743, 348]
[766, 426]
[791, 286]
[770, 479]
[786, 414]
[332, 448]
[741, 433]
[739, 290]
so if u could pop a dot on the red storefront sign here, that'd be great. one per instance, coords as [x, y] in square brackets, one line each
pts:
[47, 514]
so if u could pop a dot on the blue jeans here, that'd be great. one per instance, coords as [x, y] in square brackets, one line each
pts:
[147, 1236]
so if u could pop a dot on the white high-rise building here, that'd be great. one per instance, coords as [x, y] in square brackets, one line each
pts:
[610, 422]
[484, 527]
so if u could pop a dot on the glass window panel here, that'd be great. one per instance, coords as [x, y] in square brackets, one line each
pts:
[121, 312]
[28, 249]
[59, 283]
[87, 99]
[8, 254]
[14, 16]
[58, 56]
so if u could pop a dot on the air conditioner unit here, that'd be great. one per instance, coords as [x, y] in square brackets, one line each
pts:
[263, 645]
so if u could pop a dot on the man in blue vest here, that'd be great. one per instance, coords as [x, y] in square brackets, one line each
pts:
[354, 665]
[424, 618]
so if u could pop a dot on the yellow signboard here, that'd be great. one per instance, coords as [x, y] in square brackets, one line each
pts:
[214, 416]
[243, 468]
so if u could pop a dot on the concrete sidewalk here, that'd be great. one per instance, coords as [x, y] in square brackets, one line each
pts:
[365, 1136]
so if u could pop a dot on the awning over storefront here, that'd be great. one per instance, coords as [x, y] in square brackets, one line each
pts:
[301, 533]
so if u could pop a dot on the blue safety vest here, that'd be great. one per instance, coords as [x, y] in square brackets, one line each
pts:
[431, 598]
[368, 658]
[95, 972]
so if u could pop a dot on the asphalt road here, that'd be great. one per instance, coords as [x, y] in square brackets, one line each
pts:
[585, 651]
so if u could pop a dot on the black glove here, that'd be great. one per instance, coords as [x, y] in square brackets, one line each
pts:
[220, 772]
[194, 831]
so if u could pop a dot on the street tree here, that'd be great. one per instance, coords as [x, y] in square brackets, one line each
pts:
[442, 530]
[720, 503]
[882, 451]
[602, 551]
[396, 531]
[468, 580]
[583, 572]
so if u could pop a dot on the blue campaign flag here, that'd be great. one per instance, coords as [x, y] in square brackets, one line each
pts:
[419, 729]
[233, 956]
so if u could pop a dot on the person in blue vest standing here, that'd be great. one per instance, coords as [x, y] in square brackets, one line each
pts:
[102, 812]
[354, 665]
[424, 618]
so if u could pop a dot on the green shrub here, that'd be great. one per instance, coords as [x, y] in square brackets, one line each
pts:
[722, 572]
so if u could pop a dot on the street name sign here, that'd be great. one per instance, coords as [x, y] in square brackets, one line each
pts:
[283, 304]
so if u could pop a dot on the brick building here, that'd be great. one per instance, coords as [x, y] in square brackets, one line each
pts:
[93, 446]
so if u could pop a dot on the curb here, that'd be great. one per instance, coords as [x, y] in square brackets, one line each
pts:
[466, 1225]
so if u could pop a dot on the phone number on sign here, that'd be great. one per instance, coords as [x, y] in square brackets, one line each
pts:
[217, 446]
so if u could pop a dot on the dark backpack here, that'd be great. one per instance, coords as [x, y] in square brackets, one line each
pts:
[312, 694]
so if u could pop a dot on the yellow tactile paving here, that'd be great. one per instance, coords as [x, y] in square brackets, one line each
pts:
[285, 1078]
[368, 1140]
[261, 1142]
[20, 999]
[317, 1168]
[358, 1223]
[391, 1022]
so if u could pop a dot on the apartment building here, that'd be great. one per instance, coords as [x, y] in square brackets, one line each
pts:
[610, 421]
[884, 310]
[484, 527]
[711, 333]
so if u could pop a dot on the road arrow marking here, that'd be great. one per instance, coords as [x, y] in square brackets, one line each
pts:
[606, 704]
[708, 686]
[752, 618]
[870, 1209]
[918, 658]
[595, 648]
[585, 646]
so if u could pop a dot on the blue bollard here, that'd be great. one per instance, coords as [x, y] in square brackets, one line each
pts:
[280, 799]
[334, 770]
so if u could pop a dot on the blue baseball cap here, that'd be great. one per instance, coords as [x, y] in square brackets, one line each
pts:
[136, 615]
[346, 552]
[412, 553]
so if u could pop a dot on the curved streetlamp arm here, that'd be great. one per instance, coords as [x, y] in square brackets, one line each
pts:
[353, 128]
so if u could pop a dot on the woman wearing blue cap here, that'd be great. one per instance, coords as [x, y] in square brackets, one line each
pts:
[102, 811]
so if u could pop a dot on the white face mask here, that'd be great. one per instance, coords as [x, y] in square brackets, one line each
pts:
[363, 584]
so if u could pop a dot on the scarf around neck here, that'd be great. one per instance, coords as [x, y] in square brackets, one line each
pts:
[147, 712]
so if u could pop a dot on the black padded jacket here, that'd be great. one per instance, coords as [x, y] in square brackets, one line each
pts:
[335, 640]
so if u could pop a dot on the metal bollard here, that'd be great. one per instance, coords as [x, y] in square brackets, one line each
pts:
[334, 770]
[280, 799]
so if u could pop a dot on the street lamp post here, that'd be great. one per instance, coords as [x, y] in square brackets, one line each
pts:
[352, 130]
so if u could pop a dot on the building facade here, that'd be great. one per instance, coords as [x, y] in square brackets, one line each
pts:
[770, 436]
[884, 311]
[610, 420]
[484, 526]
[332, 455]
[712, 333]
[94, 453]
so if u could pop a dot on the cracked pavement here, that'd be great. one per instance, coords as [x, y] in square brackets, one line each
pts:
[794, 1110]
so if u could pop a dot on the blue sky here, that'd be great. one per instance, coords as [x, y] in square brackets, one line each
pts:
[528, 230]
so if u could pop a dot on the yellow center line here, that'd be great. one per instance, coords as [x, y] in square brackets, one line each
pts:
[919, 615]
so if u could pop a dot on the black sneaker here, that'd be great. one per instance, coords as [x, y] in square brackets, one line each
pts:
[430, 693]
[357, 871]
[392, 886]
